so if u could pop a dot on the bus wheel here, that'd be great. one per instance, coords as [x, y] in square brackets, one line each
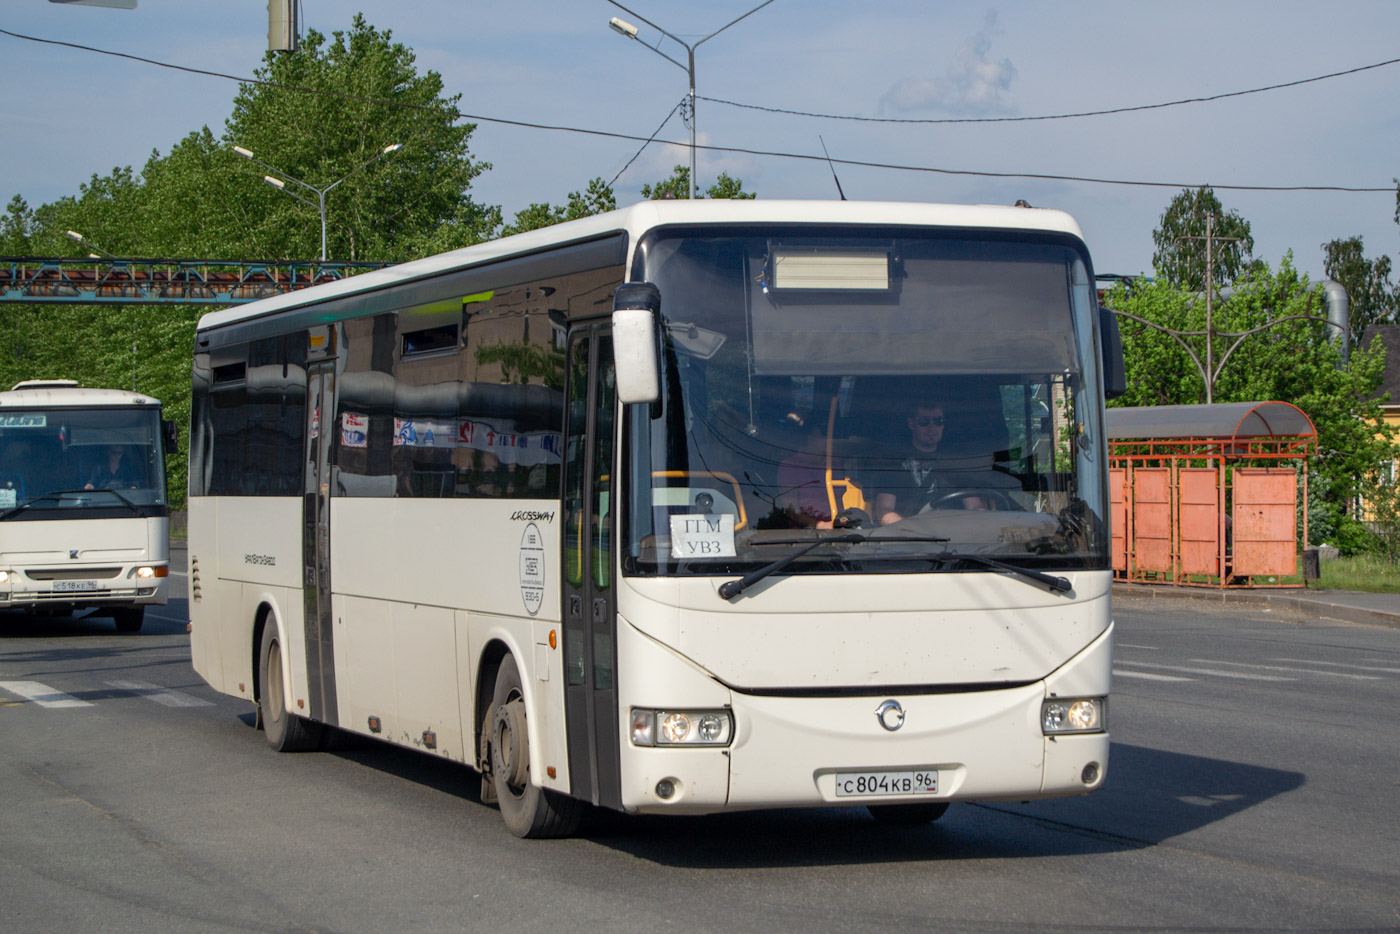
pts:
[907, 815]
[528, 810]
[129, 618]
[285, 732]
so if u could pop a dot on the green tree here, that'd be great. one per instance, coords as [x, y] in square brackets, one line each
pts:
[202, 200]
[16, 228]
[398, 207]
[1293, 361]
[678, 186]
[1373, 298]
[595, 199]
[1180, 257]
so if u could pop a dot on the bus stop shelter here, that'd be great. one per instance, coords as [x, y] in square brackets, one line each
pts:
[1209, 495]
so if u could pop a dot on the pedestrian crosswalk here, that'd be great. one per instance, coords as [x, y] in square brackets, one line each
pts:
[43, 695]
[1130, 665]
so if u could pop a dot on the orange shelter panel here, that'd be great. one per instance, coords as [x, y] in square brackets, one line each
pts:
[1265, 521]
[1152, 519]
[1199, 517]
[1118, 516]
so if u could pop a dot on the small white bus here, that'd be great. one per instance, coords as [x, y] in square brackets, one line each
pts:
[646, 511]
[84, 519]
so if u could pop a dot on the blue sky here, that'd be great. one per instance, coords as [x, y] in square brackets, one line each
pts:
[68, 114]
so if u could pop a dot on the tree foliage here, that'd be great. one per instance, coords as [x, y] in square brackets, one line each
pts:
[596, 199]
[678, 186]
[201, 199]
[1373, 298]
[1180, 257]
[1292, 361]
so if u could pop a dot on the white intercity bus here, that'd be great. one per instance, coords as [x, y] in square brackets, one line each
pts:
[642, 511]
[84, 519]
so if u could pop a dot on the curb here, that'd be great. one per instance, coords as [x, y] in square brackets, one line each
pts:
[1318, 606]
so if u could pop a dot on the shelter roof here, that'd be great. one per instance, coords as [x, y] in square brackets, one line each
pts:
[1221, 420]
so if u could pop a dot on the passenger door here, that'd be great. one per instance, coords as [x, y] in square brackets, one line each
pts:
[316, 543]
[590, 614]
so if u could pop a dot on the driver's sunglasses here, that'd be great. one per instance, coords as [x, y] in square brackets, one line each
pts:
[923, 421]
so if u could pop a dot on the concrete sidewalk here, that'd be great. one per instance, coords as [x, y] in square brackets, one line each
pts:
[1375, 609]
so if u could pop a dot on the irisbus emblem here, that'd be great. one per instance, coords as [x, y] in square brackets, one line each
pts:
[890, 715]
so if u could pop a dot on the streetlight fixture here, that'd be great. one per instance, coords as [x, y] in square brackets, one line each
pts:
[74, 235]
[320, 203]
[627, 30]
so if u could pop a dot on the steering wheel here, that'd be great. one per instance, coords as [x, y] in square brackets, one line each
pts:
[1003, 503]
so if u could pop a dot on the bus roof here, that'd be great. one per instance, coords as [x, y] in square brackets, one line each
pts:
[51, 395]
[639, 218]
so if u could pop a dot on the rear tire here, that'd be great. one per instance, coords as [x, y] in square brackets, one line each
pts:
[129, 618]
[284, 731]
[528, 810]
[907, 815]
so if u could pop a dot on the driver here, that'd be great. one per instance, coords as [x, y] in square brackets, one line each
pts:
[113, 472]
[907, 489]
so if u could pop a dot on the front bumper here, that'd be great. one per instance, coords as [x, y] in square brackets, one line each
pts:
[66, 588]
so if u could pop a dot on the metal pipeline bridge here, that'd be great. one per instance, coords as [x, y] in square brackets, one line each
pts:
[49, 281]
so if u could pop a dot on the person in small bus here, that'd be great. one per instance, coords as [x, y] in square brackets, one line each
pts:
[114, 472]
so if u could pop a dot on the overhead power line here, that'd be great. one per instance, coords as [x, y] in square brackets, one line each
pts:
[1066, 116]
[456, 114]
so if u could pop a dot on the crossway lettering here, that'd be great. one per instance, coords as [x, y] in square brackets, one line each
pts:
[163, 696]
[41, 694]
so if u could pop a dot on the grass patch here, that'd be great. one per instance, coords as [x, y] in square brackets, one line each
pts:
[1366, 573]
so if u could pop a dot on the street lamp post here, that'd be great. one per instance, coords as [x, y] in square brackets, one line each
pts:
[320, 203]
[627, 30]
[74, 235]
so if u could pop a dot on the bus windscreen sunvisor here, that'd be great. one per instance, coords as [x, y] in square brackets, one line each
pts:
[956, 307]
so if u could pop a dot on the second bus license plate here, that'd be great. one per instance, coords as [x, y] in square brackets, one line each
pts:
[874, 784]
[75, 586]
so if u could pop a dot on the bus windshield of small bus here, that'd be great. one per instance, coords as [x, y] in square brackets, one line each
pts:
[47, 451]
[937, 394]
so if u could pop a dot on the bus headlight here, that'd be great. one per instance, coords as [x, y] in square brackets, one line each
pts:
[146, 573]
[4, 577]
[1062, 715]
[681, 727]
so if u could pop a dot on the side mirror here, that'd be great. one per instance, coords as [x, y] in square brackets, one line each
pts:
[635, 309]
[170, 433]
[1115, 374]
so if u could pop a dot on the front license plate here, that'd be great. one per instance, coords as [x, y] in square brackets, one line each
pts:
[74, 586]
[875, 784]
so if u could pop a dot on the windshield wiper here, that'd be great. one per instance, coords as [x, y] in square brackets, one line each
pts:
[54, 495]
[732, 589]
[57, 496]
[1051, 582]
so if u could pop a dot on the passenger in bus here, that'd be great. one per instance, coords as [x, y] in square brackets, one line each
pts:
[115, 472]
[802, 482]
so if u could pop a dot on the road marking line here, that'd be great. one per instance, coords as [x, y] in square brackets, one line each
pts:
[160, 695]
[1313, 661]
[1125, 645]
[42, 694]
[1242, 675]
[1120, 673]
[1306, 671]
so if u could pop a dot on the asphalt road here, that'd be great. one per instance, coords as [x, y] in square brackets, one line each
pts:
[1252, 787]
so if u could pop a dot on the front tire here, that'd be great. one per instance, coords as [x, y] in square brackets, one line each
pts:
[907, 815]
[284, 732]
[129, 618]
[528, 810]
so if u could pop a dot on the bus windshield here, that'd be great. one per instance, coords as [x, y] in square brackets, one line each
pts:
[51, 457]
[938, 392]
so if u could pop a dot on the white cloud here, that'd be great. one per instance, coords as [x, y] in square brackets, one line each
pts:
[974, 85]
